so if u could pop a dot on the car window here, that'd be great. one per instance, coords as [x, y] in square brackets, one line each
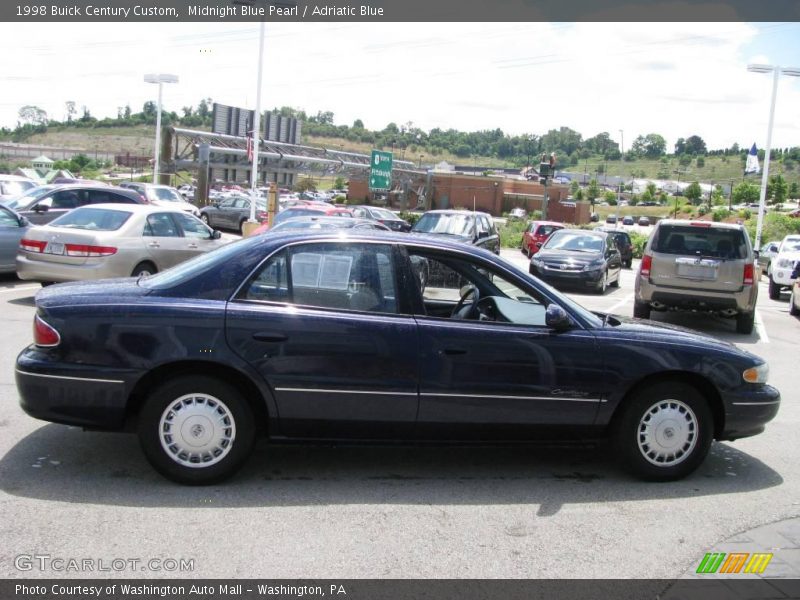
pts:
[360, 212]
[66, 199]
[446, 280]
[453, 224]
[356, 277]
[7, 219]
[15, 188]
[23, 202]
[546, 229]
[574, 241]
[92, 219]
[703, 241]
[192, 227]
[482, 224]
[160, 225]
[165, 194]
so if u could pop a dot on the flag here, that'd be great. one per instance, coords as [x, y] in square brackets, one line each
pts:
[250, 146]
[752, 165]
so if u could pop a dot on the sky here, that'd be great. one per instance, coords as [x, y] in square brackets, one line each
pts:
[674, 79]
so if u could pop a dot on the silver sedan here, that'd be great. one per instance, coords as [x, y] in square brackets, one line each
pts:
[112, 240]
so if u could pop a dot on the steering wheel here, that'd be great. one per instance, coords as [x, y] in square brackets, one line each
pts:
[461, 311]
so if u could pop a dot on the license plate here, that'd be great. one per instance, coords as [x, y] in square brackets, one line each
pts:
[54, 248]
[692, 268]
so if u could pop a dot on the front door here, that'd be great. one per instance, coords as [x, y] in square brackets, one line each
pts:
[320, 322]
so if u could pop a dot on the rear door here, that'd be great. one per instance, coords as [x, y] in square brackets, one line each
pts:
[699, 257]
[11, 233]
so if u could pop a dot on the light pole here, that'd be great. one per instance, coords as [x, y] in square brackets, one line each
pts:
[621, 164]
[776, 71]
[160, 79]
[421, 156]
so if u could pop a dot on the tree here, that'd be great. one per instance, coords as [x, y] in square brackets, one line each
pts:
[592, 191]
[358, 124]
[86, 116]
[652, 190]
[71, 110]
[33, 115]
[574, 187]
[651, 145]
[745, 193]
[695, 145]
[779, 189]
[794, 192]
[305, 184]
[339, 182]
[680, 146]
[149, 109]
[701, 162]
[693, 192]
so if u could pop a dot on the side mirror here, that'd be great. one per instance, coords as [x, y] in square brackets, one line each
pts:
[24, 222]
[756, 253]
[216, 234]
[538, 244]
[557, 318]
[40, 208]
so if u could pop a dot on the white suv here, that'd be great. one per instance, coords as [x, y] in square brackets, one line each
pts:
[782, 265]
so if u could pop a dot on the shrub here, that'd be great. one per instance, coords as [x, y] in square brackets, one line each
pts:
[720, 214]
[511, 234]
[411, 217]
[638, 241]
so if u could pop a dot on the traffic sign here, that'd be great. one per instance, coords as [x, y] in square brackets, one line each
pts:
[380, 174]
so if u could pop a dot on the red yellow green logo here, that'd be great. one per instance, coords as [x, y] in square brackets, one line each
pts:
[735, 562]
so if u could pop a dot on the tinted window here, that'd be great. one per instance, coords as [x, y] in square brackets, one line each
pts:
[160, 225]
[454, 224]
[7, 219]
[23, 202]
[701, 241]
[94, 219]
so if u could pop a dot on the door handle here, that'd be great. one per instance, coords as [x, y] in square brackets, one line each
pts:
[452, 351]
[154, 245]
[269, 336]
[193, 246]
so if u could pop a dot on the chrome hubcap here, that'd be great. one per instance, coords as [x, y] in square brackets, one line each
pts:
[197, 430]
[667, 433]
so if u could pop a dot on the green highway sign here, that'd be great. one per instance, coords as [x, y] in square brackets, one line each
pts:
[380, 174]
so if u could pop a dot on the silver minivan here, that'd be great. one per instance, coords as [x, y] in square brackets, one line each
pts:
[698, 266]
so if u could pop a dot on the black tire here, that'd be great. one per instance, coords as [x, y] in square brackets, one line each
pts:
[629, 263]
[601, 287]
[144, 268]
[745, 322]
[241, 226]
[774, 290]
[793, 310]
[641, 310]
[47, 283]
[664, 431]
[204, 218]
[203, 397]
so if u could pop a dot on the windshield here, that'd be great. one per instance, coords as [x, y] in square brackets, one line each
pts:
[93, 219]
[313, 224]
[450, 224]
[574, 241]
[295, 212]
[382, 213]
[15, 188]
[165, 194]
[31, 196]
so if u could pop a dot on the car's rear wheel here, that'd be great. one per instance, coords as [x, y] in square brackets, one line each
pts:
[664, 431]
[774, 290]
[196, 430]
[641, 310]
[745, 322]
[793, 310]
[144, 269]
[241, 226]
[204, 218]
[629, 263]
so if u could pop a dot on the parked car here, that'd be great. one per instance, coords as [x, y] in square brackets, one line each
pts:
[163, 195]
[314, 336]
[782, 265]
[323, 222]
[14, 185]
[611, 219]
[309, 210]
[578, 258]
[112, 240]
[187, 191]
[382, 215]
[624, 244]
[232, 212]
[766, 254]
[476, 228]
[644, 221]
[45, 203]
[536, 234]
[698, 266]
[12, 229]
[517, 213]
[794, 298]
[627, 220]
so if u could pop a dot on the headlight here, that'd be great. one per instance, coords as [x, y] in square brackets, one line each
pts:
[537, 262]
[593, 266]
[757, 374]
[785, 263]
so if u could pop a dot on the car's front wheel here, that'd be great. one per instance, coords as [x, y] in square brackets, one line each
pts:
[774, 290]
[204, 218]
[793, 310]
[196, 430]
[664, 431]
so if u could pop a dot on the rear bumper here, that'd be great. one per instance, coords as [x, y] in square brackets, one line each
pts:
[666, 297]
[37, 270]
[72, 394]
[748, 411]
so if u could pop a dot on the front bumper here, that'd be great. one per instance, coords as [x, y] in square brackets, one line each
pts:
[574, 278]
[72, 394]
[748, 410]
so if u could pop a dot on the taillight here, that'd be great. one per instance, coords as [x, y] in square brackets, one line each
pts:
[144, 199]
[749, 274]
[32, 245]
[85, 250]
[43, 334]
[647, 263]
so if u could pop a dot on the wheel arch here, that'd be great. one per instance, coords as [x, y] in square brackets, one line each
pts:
[702, 384]
[244, 385]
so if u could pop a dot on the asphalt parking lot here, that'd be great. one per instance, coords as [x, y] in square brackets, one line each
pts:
[393, 512]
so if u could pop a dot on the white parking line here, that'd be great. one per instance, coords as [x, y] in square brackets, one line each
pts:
[16, 289]
[761, 329]
[620, 303]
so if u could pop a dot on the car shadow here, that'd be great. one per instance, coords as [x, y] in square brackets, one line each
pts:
[65, 464]
[720, 327]
[26, 301]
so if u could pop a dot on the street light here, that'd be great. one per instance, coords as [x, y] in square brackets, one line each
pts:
[776, 71]
[421, 156]
[622, 164]
[160, 79]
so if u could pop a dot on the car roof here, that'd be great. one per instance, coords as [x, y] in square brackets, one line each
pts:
[710, 224]
[455, 211]
[595, 232]
[133, 208]
[548, 223]
[5, 177]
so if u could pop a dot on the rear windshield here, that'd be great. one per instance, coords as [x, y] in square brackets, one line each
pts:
[94, 219]
[165, 194]
[453, 224]
[701, 241]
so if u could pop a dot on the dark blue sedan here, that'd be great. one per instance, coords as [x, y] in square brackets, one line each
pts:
[331, 336]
